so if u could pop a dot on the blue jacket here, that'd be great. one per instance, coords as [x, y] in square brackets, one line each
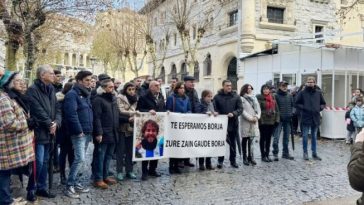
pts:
[178, 104]
[78, 111]
[357, 116]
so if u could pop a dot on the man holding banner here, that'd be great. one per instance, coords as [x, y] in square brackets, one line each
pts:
[151, 102]
[227, 102]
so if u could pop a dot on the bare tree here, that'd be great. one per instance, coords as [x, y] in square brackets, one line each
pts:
[28, 15]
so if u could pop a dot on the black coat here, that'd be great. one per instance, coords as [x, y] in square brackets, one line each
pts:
[148, 102]
[44, 109]
[106, 116]
[229, 103]
[58, 87]
[311, 102]
[195, 102]
[285, 105]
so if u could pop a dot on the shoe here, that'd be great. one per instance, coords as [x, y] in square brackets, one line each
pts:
[154, 174]
[101, 184]
[265, 159]
[275, 157]
[219, 165]
[305, 156]
[144, 177]
[348, 142]
[131, 175]
[44, 193]
[110, 181]
[252, 161]
[120, 176]
[269, 159]
[110, 174]
[234, 165]
[316, 157]
[189, 164]
[245, 161]
[209, 167]
[81, 189]
[288, 156]
[31, 196]
[202, 168]
[71, 192]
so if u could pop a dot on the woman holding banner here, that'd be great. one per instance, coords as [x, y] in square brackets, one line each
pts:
[249, 122]
[206, 107]
[127, 103]
[177, 102]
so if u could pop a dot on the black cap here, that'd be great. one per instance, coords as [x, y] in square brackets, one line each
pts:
[283, 83]
[187, 78]
[103, 76]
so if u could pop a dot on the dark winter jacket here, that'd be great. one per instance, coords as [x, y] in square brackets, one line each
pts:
[78, 111]
[350, 127]
[265, 117]
[44, 109]
[63, 135]
[205, 107]
[176, 103]
[285, 104]
[195, 102]
[106, 116]
[356, 169]
[311, 102]
[144, 88]
[148, 102]
[229, 103]
[58, 87]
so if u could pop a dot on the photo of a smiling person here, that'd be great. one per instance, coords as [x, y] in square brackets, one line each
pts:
[149, 146]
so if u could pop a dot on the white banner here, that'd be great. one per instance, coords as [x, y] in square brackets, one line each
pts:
[195, 135]
[176, 135]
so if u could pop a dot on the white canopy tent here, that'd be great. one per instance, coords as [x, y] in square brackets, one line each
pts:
[338, 70]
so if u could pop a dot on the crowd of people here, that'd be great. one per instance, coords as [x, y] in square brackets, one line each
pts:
[48, 116]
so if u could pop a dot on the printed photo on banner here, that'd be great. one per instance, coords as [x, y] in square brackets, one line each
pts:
[148, 137]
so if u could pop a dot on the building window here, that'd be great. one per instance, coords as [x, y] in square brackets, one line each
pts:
[275, 15]
[173, 72]
[318, 33]
[162, 73]
[196, 71]
[233, 18]
[183, 71]
[207, 65]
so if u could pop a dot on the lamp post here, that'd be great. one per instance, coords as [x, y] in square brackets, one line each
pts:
[93, 62]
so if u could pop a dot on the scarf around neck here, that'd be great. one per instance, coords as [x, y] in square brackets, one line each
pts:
[269, 103]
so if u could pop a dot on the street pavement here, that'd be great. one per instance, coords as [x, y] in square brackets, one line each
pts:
[284, 182]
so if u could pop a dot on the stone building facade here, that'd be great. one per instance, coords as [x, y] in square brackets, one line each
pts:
[240, 28]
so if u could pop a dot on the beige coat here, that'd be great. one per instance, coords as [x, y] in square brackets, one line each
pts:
[128, 110]
[248, 128]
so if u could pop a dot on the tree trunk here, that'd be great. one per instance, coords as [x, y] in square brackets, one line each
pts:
[29, 53]
[10, 60]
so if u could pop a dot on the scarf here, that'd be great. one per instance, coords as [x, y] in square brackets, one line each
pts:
[149, 146]
[250, 99]
[131, 99]
[269, 103]
[20, 98]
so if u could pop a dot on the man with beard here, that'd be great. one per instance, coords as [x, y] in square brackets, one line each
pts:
[149, 141]
[152, 102]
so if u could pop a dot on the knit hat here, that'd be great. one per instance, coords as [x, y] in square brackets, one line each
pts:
[103, 76]
[7, 78]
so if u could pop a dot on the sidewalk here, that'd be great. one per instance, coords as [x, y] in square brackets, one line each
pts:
[339, 201]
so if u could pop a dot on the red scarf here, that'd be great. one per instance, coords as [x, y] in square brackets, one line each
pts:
[269, 103]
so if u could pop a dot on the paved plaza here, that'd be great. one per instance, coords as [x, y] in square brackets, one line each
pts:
[283, 182]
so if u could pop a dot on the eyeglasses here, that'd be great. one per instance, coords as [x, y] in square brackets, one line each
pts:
[310, 82]
[131, 89]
